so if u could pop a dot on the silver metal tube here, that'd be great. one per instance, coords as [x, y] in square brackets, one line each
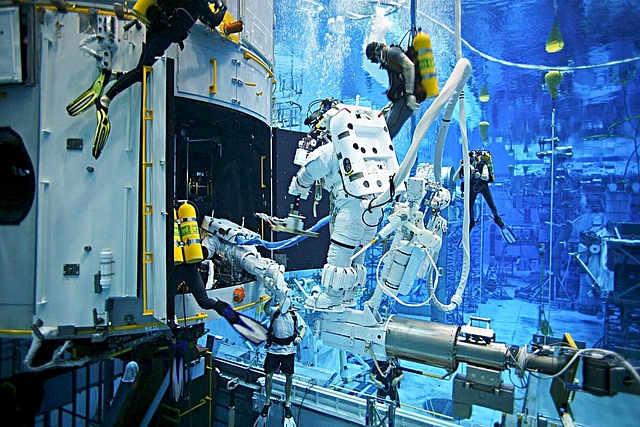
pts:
[424, 342]
[493, 355]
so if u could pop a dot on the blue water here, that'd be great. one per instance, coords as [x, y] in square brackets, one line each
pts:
[574, 201]
[320, 53]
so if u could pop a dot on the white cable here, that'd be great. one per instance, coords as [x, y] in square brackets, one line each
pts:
[454, 85]
[57, 360]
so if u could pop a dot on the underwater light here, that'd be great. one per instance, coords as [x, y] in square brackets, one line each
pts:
[555, 42]
[553, 80]
[484, 126]
[484, 93]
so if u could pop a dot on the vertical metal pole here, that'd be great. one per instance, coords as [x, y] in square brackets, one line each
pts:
[553, 175]
[87, 397]
[541, 250]
[74, 403]
[413, 15]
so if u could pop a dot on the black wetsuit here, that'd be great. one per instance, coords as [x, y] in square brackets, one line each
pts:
[174, 27]
[480, 186]
[187, 279]
[389, 373]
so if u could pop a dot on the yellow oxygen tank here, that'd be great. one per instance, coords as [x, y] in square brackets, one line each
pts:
[140, 10]
[190, 234]
[178, 257]
[426, 64]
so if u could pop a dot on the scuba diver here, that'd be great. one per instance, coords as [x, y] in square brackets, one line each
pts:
[386, 376]
[187, 278]
[401, 72]
[481, 164]
[286, 331]
[169, 21]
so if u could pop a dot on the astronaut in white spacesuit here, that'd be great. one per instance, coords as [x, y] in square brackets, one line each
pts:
[353, 177]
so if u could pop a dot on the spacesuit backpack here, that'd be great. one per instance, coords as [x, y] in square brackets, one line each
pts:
[364, 149]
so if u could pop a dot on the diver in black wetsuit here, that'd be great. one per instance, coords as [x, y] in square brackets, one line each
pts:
[386, 377]
[169, 22]
[481, 165]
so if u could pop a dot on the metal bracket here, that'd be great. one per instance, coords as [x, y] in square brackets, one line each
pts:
[71, 270]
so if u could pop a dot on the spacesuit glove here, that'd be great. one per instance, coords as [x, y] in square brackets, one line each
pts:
[297, 340]
[295, 189]
[412, 103]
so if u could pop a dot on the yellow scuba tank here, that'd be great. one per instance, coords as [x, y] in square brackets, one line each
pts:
[190, 234]
[178, 257]
[426, 64]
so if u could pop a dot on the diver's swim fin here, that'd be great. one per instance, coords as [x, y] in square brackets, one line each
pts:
[263, 419]
[177, 378]
[249, 328]
[103, 127]
[84, 101]
[289, 421]
[508, 234]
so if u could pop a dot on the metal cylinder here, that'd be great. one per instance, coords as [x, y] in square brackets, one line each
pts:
[493, 355]
[547, 364]
[106, 268]
[424, 342]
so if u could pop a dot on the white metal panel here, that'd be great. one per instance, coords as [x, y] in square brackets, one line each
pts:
[17, 242]
[234, 8]
[254, 88]
[195, 68]
[11, 64]
[195, 75]
[84, 205]
[258, 18]
[156, 193]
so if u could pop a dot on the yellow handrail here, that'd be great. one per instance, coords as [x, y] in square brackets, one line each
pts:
[262, 299]
[213, 88]
[249, 55]
[75, 9]
[147, 209]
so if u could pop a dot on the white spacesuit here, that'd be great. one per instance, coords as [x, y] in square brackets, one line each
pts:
[353, 173]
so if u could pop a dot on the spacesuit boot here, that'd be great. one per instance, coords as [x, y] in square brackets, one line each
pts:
[336, 281]
[361, 276]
